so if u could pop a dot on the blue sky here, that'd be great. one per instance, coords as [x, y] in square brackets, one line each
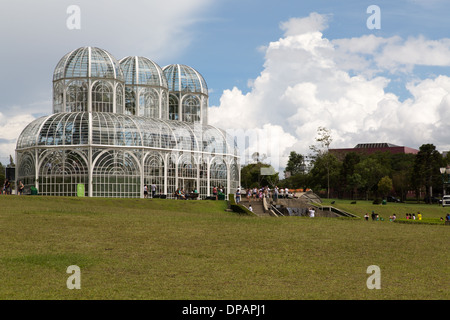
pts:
[252, 56]
[238, 28]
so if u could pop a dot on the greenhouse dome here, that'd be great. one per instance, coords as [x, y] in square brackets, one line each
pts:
[183, 78]
[88, 79]
[87, 62]
[112, 132]
[188, 94]
[146, 89]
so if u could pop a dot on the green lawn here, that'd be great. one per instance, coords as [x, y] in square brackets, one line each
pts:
[168, 249]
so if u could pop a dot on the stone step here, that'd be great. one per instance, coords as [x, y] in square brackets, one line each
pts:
[257, 207]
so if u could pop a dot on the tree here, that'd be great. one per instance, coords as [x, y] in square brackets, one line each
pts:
[295, 164]
[326, 172]
[324, 140]
[385, 185]
[371, 171]
[354, 182]
[257, 175]
[402, 171]
[350, 181]
[426, 169]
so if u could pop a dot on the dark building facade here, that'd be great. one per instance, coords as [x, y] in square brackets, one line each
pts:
[370, 148]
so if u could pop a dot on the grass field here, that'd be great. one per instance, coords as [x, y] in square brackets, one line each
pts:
[167, 249]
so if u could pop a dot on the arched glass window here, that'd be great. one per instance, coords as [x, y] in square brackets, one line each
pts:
[130, 101]
[191, 109]
[218, 173]
[234, 175]
[204, 177]
[58, 97]
[116, 174]
[102, 97]
[119, 98]
[171, 175]
[173, 107]
[154, 172]
[164, 105]
[77, 96]
[148, 103]
[27, 169]
[61, 171]
[204, 110]
[187, 167]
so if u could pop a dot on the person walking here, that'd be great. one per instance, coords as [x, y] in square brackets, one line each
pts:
[20, 189]
[153, 188]
[145, 191]
[7, 187]
[275, 194]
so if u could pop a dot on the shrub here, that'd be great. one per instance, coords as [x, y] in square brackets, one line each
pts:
[237, 207]
[376, 201]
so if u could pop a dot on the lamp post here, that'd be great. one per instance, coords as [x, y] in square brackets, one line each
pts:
[445, 172]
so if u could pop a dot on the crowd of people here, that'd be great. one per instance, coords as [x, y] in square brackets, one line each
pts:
[376, 217]
[182, 194]
[257, 194]
[408, 216]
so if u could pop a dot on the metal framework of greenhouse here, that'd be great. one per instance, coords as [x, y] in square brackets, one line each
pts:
[112, 131]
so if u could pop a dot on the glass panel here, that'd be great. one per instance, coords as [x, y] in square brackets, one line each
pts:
[102, 97]
[60, 173]
[173, 107]
[130, 101]
[191, 108]
[77, 96]
[77, 63]
[148, 103]
[116, 174]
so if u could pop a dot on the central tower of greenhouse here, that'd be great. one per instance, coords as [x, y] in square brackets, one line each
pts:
[119, 125]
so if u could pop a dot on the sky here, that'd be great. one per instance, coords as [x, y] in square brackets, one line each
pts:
[276, 70]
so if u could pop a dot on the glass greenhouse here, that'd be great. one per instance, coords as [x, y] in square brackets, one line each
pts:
[118, 126]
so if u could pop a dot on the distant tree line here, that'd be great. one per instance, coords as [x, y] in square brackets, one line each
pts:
[362, 176]
[356, 175]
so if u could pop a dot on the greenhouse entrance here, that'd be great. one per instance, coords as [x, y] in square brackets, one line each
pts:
[187, 184]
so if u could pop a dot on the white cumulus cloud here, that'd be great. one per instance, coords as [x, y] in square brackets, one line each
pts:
[310, 81]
